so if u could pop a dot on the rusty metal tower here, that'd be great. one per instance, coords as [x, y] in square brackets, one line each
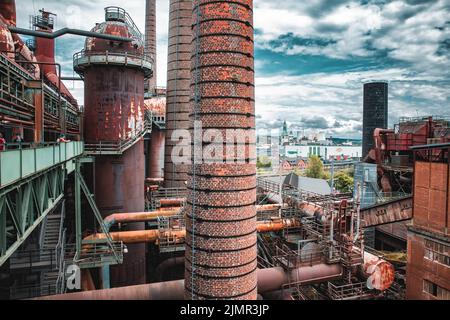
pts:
[114, 75]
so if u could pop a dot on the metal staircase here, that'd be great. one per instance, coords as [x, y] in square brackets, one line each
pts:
[52, 231]
[95, 253]
[118, 148]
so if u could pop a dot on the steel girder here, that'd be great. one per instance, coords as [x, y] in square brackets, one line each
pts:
[25, 204]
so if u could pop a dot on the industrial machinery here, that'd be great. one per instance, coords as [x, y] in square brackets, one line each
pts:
[114, 125]
[392, 152]
[108, 201]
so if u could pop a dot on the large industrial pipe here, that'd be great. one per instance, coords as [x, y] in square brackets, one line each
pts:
[61, 32]
[149, 236]
[172, 202]
[115, 218]
[267, 280]
[263, 226]
[171, 290]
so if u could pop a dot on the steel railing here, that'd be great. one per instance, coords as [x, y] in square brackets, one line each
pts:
[109, 147]
[350, 291]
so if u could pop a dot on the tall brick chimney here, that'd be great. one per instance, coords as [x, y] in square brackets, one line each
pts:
[150, 38]
[221, 240]
[178, 87]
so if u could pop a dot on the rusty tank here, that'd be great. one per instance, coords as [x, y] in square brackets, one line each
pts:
[114, 75]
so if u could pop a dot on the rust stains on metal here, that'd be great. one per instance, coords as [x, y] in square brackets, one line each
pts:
[114, 76]
[388, 212]
[380, 273]
[8, 11]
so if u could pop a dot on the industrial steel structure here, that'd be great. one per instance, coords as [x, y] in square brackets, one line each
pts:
[96, 189]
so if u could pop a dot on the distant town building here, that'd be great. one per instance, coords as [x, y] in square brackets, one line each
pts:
[293, 164]
[325, 152]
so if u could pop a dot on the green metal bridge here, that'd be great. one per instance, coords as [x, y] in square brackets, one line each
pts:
[31, 186]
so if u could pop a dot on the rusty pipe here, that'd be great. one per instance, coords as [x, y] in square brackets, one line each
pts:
[277, 225]
[380, 274]
[171, 290]
[152, 236]
[115, 218]
[61, 32]
[141, 236]
[172, 202]
[380, 145]
[270, 207]
[268, 280]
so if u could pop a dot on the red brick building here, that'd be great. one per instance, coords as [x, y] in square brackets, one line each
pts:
[428, 268]
[289, 165]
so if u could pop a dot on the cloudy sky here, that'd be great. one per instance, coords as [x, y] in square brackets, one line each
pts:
[312, 56]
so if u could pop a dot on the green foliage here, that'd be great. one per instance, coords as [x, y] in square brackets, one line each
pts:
[343, 181]
[263, 162]
[315, 168]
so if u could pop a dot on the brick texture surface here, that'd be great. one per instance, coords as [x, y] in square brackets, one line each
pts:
[221, 251]
[178, 86]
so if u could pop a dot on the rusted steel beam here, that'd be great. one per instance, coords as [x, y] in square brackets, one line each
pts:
[389, 212]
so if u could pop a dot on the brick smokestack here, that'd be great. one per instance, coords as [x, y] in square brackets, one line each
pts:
[178, 86]
[150, 38]
[221, 251]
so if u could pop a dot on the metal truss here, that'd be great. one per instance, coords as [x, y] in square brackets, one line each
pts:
[24, 205]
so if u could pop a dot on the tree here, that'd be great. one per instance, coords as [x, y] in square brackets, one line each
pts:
[343, 182]
[263, 162]
[315, 168]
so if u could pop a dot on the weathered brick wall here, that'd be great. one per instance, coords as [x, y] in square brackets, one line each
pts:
[178, 86]
[221, 251]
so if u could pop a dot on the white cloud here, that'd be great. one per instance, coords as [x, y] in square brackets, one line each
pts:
[409, 33]
[338, 97]
[83, 14]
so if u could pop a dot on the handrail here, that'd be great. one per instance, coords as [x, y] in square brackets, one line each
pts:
[97, 214]
[84, 53]
[128, 20]
[122, 145]
[18, 164]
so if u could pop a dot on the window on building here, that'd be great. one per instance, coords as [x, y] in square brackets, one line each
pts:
[437, 252]
[435, 290]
